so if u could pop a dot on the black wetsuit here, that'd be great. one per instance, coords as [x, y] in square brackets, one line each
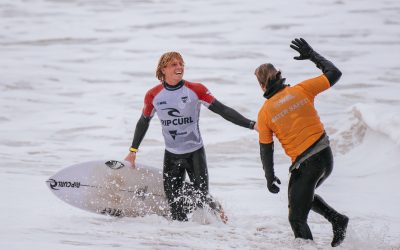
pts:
[178, 108]
[308, 171]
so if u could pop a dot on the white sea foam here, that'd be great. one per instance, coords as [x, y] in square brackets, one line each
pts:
[73, 75]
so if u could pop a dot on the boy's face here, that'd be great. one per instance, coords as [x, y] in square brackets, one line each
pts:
[173, 72]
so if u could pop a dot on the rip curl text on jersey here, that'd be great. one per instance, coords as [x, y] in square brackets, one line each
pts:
[178, 110]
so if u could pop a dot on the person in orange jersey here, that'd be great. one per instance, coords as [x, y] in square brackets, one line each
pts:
[290, 115]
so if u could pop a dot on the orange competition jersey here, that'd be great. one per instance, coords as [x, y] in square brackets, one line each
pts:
[291, 116]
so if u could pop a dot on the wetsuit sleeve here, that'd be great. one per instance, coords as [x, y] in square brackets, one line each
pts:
[267, 159]
[231, 114]
[208, 100]
[144, 121]
[331, 72]
[141, 128]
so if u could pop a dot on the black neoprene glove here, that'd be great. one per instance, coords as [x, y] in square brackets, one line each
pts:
[272, 187]
[301, 46]
[306, 52]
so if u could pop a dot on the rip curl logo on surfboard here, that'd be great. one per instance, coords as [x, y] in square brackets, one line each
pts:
[55, 185]
[114, 164]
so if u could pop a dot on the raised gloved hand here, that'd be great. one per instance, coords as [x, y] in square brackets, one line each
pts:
[272, 187]
[301, 46]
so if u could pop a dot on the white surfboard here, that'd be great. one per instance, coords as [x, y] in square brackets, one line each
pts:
[115, 188]
[111, 187]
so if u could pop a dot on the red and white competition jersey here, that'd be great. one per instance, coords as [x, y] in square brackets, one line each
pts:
[178, 110]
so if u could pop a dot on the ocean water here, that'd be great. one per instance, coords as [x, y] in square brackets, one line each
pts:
[73, 75]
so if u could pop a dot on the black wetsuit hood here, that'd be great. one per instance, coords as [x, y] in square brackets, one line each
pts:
[274, 87]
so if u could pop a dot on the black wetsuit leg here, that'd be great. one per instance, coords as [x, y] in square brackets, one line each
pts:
[198, 173]
[173, 178]
[175, 168]
[303, 181]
